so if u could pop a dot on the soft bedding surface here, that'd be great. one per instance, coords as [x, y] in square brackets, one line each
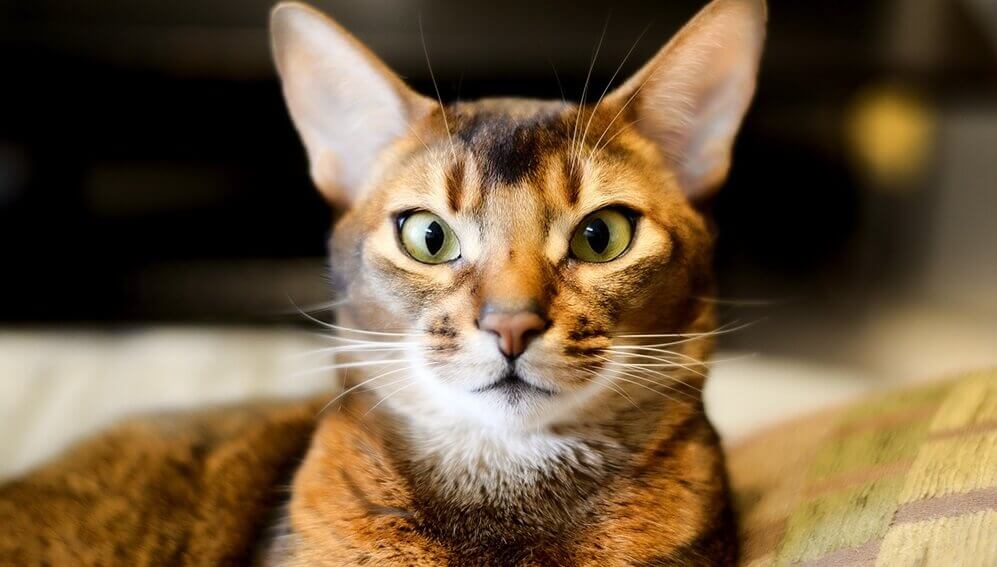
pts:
[907, 478]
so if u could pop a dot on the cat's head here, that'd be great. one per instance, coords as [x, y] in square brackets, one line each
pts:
[525, 261]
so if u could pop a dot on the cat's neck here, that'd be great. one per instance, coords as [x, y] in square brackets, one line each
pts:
[466, 457]
[468, 475]
[504, 485]
[476, 492]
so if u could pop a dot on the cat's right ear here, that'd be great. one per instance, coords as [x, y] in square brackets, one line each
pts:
[691, 97]
[345, 103]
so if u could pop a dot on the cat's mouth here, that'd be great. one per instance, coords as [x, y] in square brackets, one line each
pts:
[513, 386]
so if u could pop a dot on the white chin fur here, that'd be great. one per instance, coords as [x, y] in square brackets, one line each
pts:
[486, 435]
[431, 403]
[444, 396]
[480, 440]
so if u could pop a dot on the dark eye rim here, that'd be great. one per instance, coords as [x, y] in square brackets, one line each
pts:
[399, 220]
[631, 215]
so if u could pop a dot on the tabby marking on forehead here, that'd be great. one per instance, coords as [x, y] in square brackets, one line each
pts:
[571, 180]
[512, 140]
[455, 185]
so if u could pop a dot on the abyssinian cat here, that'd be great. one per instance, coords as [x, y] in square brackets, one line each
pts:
[524, 285]
[524, 329]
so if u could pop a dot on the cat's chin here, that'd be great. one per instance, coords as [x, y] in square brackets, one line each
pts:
[504, 399]
[512, 401]
[517, 397]
[515, 388]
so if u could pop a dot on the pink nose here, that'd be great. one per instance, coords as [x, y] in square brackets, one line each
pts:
[514, 329]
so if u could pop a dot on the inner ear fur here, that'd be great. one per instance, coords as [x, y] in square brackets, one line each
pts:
[346, 104]
[691, 97]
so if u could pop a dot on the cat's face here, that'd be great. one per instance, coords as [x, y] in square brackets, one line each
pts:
[516, 218]
[515, 252]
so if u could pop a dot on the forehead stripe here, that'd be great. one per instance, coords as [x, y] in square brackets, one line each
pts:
[572, 180]
[454, 180]
[510, 149]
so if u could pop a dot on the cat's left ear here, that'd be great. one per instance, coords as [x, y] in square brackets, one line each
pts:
[345, 103]
[691, 97]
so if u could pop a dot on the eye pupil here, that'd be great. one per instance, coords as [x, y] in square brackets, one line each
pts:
[434, 238]
[597, 235]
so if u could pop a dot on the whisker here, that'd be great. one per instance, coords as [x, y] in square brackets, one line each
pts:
[440, 366]
[664, 364]
[365, 382]
[731, 327]
[636, 373]
[350, 340]
[379, 402]
[626, 104]
[597, 149]
[669, 343]
[418, 137]
[436, 87]
[296, 309]
[557, 78]
[658, 345]
[646, 387]
[323, 306]
[361, 344]
[647, 372]
[642, 375]
[610, 385]
[359, 364]
[585, 88]
[581, 143]
[377, 347]
[692, 360]
[336, 327]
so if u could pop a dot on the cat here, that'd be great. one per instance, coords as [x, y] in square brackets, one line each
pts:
[524, 323]
[523, 329]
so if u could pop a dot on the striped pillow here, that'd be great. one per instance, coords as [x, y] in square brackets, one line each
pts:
[909, 478]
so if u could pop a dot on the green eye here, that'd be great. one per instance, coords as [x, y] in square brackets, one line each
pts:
[428, 239]
[602, 236]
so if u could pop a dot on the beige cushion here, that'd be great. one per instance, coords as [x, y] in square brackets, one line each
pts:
[906, 478]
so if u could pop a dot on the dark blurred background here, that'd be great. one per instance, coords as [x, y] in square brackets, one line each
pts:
[149, 171]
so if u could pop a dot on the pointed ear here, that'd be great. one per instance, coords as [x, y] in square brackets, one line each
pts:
[690, 98]
[345, 103]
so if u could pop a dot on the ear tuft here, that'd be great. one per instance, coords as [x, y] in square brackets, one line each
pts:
[691, 97]
[345, 103]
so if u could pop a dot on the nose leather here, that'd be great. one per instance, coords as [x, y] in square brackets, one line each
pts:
[514, 329]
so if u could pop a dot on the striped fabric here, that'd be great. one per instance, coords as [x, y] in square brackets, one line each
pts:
[909, 478]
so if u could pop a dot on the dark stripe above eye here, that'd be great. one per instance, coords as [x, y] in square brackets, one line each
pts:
[572, 180]
[454, 180]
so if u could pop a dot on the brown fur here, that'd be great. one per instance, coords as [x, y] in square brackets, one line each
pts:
[174, 490]
[358, 502]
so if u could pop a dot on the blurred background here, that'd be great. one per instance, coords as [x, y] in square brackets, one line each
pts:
[150, 177]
